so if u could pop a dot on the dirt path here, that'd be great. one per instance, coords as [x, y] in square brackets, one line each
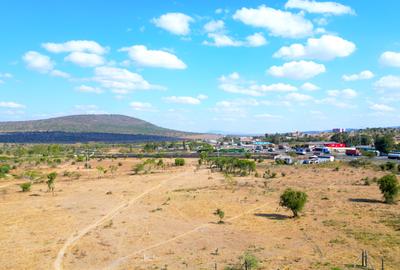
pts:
[119, 261]
[78, 235]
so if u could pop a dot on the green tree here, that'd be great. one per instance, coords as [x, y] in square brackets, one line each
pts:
[389, 186]
[179, 162]
[384, 143]
[51, 179]
[293, 200]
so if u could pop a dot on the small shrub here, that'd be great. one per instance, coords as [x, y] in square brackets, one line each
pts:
[51, 178]
[283, 174]
[25, 187]
[249, 260]
[220, 214]
[389, 186]
[179, 162]
[293, 200]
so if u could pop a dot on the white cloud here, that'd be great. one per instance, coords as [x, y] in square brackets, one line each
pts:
[277, 22]
[153, 58]
[11, 105]
[234, 84]
[381, 108]
[391, 59]
[142, 106]
[75, 46]
[214, 26]
[389, 82]
[202, 97]
[309, 87]
[89, 89]
[176, 23]
[222, 40]
[363, 75]
[345, 93]
[312, 6]
[183, 100]
[334, 101]
[85, 59]
[327, 47]
[121, 81]
[59, 73]
[38, 62]
[297, 97]
[301, 70]
[256, 40]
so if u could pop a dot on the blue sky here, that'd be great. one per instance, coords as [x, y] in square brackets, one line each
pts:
[233, 66]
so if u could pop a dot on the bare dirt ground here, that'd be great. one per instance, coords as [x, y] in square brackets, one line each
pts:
[164, 220]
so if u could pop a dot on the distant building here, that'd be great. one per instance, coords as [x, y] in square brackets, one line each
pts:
[338, 130]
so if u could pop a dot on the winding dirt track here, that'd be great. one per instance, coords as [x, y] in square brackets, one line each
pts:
[119, 261]
[58, 263]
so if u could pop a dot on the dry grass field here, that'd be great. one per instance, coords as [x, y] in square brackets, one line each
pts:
[165, 220]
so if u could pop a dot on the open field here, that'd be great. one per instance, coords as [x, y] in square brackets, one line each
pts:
[165, 220]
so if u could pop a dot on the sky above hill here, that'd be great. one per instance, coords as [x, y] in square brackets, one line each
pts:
[232, 66]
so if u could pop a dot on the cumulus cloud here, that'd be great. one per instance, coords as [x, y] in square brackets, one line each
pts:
[301, 70]
[277, 22]
[214, 26]
[11, 105]
[89, 89]
[381, 108]
[175, 23]
[38, 62]
[309, 87]
[363, 75]
[183, 100]
[297, 97]
[256, 40]
[389, 82]
[59, 73]
[232, 83]
[121, 81]
[345, 93]
[142, 106]
[75, 46]
[390, 59]
[224, 40]
[312, 6]
[85, 59]
[153, 58]
[327, 47]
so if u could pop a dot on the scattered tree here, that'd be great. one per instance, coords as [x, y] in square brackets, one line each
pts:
[179, 162]
[293, 200]
[51, 178]
[389, 186]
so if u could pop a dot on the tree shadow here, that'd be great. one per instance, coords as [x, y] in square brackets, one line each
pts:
[363, 200]
[272, 216]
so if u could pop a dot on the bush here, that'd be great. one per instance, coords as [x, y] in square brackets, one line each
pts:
[357, 163]
[179, 162]
[25, 187]
[388, 166]
[249, 260]
[220, 214]
[4, 169]
[293, 200]
[389, 186]
[51, 178]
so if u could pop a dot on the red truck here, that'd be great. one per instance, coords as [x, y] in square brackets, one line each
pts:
[353, 152]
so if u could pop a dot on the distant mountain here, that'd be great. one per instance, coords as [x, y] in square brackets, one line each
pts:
[93, 123]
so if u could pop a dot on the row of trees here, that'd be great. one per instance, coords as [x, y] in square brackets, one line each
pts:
[230, 165]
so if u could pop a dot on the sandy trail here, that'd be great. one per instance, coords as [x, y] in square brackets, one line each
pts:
[78, 235]
[119, 261]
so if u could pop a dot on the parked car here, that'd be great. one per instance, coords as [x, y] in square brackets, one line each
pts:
[301, 151]
[394, 155]
[353, 152]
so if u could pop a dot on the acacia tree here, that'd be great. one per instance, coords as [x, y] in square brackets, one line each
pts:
[51, 178]
[389, 186]
[293, 200]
